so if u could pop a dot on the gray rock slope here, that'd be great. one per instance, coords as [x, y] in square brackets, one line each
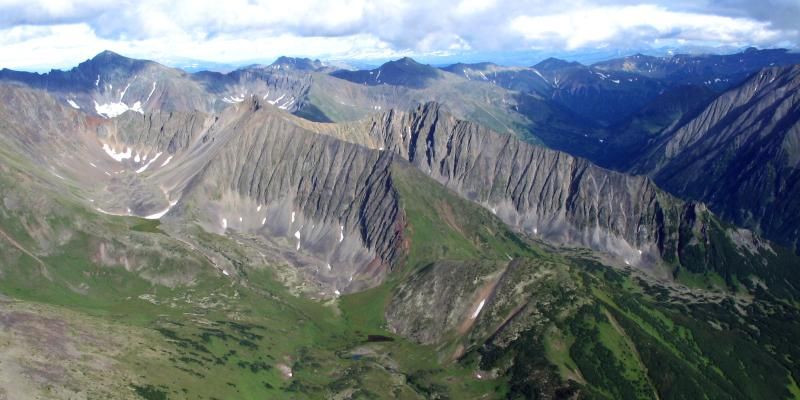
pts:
[330, 206]
[551, 195]
[740, 155]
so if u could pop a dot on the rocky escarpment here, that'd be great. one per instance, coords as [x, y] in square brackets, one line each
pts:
[741, 155]
[311, 201]
[286, 89]
[544, 193]
[162, 131]
[315, 195]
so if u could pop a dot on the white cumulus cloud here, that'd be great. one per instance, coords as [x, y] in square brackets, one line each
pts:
[37, 34]
[596, 26]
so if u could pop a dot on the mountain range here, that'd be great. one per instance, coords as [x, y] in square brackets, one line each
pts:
[627, 229]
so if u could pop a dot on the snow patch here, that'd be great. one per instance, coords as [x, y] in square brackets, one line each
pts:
[110, 213]
[276, 100]
[263, 221]
[151, 93]
[117, 156]
[137, 106]
[158, 215]
[111, 110]
[74, 104]
[233, 99]
[225, 273]
[224, 223]
[167, 161]
[535, 71]
[121, 95]
[341, 233]
[140, 170]
[478, 310]
[292, 216]
[286, 105]
[297, 235]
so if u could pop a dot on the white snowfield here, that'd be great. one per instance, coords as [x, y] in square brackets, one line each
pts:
[478, 310]
[117, 156]
[144, 168]
[111, 110]
[158, 215]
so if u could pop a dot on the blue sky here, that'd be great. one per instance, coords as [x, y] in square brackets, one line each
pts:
[44, 34]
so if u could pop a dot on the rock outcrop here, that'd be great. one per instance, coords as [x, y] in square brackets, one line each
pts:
[741, 155]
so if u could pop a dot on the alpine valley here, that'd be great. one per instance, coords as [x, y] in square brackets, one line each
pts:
[623, 230]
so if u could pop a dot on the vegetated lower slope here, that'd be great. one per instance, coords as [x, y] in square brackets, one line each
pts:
[739, 155]
[215, 296]
[202, 307]
[558, 326]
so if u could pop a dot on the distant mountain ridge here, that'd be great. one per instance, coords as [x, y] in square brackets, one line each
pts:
[277, 231]
[402, 72]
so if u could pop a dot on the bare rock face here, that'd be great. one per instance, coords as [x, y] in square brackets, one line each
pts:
[544, 193]
[324, 205]
[741, 155]
[325, 197]
[328, 205]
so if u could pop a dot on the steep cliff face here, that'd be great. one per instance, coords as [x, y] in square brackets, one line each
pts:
[548, 194]
[249, 169]
[323, 205]
[284, 88]
[324, 197]
[544, 193]
[740, 155]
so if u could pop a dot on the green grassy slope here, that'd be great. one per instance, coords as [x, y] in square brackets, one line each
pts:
[556, 326]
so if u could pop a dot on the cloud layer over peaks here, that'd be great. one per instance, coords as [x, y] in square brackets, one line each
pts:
[43, 33]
